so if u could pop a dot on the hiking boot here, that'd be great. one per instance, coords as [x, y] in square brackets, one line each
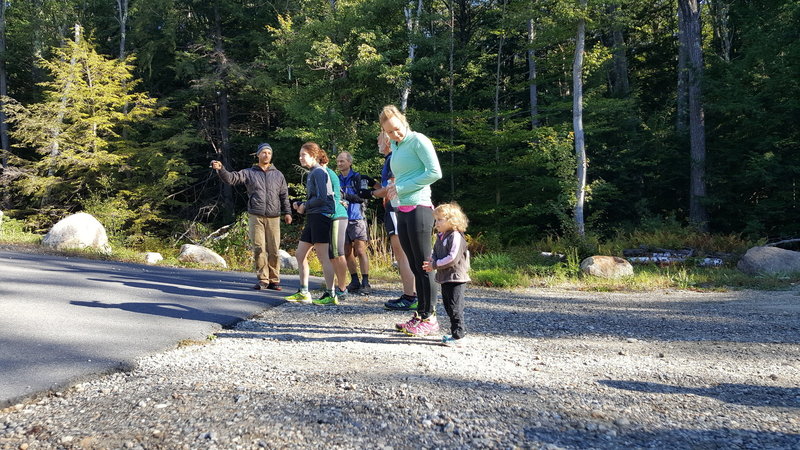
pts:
[423, 327]
[354, 287]
[326, 299]
[450, 341]
[402, 325]
[299, 297]
[366, 289]
[404, 303]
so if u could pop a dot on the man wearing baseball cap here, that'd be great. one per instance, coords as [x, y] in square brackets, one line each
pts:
[268, 200]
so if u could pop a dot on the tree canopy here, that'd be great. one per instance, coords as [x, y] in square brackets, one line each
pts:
[133, 121]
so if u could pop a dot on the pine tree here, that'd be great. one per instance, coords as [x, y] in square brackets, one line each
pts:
[75, 125]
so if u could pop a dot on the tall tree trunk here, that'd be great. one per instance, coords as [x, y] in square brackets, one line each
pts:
[682, 93]
[412, 24]
[620, 83]
[451, 83]
[532, 88]
[497, 102]
[577, 121]
[698, 215]
[721, 24]
[3, 86]
[122, 18]
[223, 116]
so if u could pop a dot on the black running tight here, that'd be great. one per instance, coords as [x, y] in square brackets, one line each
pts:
[414, 230]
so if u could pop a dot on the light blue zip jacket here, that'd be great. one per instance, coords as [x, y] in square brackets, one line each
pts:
[415, 167]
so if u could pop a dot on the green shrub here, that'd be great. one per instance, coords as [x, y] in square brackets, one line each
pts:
[113, 212]
[234, 245]
[17, 231]
[492, 261]
[500, 277]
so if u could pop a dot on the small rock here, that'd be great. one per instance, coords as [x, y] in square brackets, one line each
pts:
[622, 422]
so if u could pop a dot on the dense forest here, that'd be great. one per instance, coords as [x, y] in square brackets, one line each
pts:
[550, 117]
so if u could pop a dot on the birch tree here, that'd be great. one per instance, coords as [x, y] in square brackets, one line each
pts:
[412, 26]
[577, 119]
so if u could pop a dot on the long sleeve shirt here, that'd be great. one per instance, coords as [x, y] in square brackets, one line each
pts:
[319, 192]
[415, 167]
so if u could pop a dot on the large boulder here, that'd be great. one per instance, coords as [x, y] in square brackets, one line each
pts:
[201, 255]
[287, 261]
[606, 267]
[769, 261]
[77, 231]
[153, 257]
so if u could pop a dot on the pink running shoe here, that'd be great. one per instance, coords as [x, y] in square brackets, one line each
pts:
[403, 325]
[423, 327]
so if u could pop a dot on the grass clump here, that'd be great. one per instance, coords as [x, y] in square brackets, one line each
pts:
[14, 231]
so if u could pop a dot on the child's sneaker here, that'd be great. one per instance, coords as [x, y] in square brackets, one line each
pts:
[403, 325]
[450, 341]
[299, 297]
[326, 299]
[423, 327]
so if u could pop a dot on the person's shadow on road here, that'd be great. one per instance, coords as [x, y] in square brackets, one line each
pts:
[742, 394]
[172, 310]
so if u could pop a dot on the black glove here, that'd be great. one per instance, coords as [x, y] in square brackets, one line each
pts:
[365, 190]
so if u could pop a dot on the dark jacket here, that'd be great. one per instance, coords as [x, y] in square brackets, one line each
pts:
[351, 185]
[319, 192]
[267, 193]
[456, 270]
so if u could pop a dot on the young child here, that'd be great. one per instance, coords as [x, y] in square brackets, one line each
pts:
[450, 259]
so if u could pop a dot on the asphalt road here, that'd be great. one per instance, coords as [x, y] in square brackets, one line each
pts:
[63, 319]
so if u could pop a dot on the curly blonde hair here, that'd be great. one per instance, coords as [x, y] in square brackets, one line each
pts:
[453, 214]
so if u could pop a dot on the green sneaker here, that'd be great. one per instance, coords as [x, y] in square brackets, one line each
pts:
[299, 297]
[327, 299]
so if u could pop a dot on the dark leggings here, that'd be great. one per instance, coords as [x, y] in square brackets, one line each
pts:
[453, 299]
[414, 230]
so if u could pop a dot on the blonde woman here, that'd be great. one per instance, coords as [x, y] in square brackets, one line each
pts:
[415, 167]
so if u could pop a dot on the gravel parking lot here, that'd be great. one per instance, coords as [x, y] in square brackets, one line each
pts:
[543, 369]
